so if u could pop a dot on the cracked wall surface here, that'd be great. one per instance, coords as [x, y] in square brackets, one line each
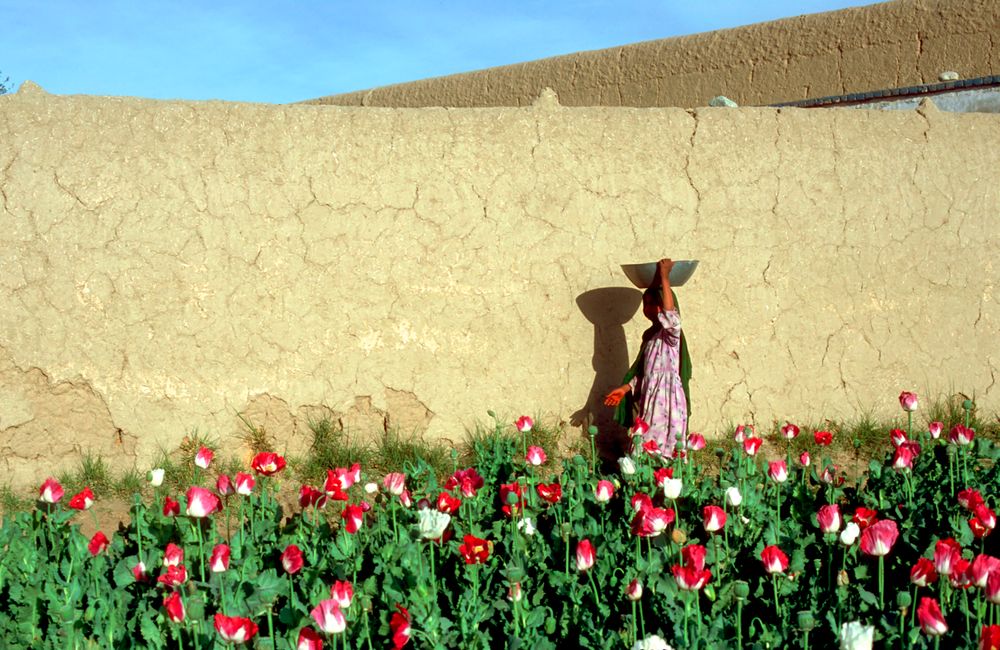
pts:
[170, 266]
[885, 45]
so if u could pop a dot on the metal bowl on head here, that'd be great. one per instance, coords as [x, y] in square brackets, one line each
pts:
[642, 275]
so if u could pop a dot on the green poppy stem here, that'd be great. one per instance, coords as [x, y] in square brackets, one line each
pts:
[201, 549]
[196, 636]
[433, 572]
[687, 614]
[777, 508]
[395, 529]
[138, 522]
[593, 452]
[593, 585]
[642, 622]
[739, 622]
[881, 582]
[253, 521]
[242, 527]
[222, 593]
[635, 624]
[696, 596]
[777, 604]
[270, 627]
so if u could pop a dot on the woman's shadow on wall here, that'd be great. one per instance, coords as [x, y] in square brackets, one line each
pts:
[608, 309]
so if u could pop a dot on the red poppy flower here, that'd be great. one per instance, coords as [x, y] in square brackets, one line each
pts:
[342, 591]
[82, 500]
[823, 438]
[981, 568]
[829, 519]
[549, 492]
[310, 496]
[536, 456]
[969, 499]
[985, 515]
[879, 538]
[752, 445]
[244, 483]
[585, 555]
[864, 517]
[172, 555]
[690, 578]
[139, 572]
[960, 578]
[173, 576]
[931, 620]
[713, 518]
[651, 447]
[947, 552]
[174, 606]
[774, 559]
[989, 639]
[291, 559]
[512, 498]
[604, 491]
[98, 543]
[267, 463]
[399, 625]
[923, 573]
[979, 529]
[694, 556]
[650, 522]
[201, 502]
[662, 474]
[448, 503]
[467, 480]
[475, 550]
[992, 592]
[235, 629]
[309, 639]
[641, 502]
[395, 483]
[353, 516]
[204, 457]
[778, 471]
[220, 558]
[639, 427]
[960, 435]
[51, 491]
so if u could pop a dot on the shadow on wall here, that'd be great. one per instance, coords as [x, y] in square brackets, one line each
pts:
[608, 309]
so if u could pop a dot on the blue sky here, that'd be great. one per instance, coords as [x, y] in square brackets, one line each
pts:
[290, 51]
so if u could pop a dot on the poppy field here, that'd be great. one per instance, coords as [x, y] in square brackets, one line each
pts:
[747, 543]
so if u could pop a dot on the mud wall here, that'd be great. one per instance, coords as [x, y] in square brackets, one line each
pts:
[885, 45]
[165, 266]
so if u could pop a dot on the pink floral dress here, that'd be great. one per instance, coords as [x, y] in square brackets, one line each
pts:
[660, 394]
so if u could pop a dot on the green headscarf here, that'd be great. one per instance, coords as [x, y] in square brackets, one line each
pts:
[624, 413]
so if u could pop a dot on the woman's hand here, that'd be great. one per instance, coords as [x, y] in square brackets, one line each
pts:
[664, 267]
[617, 395]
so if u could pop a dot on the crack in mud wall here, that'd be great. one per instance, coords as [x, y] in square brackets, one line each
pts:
[166, 265]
